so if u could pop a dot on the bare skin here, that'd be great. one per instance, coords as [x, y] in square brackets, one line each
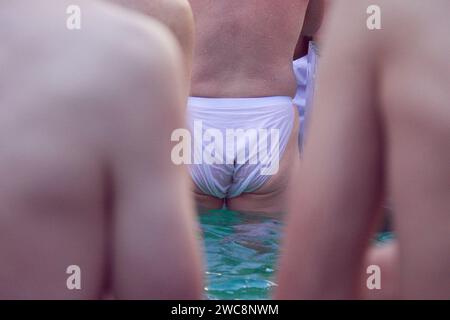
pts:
[175, 14]
[244, 49]
[385, 126]
[314, 17]
[86, 180]
[385, 256]
[315, 20]
[320, 15]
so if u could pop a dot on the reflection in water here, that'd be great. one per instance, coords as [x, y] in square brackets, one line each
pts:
[241, 252]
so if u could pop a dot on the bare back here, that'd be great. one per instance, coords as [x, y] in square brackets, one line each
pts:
[245, 48]
[81, 114]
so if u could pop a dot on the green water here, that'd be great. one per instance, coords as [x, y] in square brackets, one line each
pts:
[241, 254]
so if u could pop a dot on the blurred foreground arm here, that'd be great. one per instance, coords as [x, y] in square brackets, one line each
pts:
[155, 251]
[340, 180]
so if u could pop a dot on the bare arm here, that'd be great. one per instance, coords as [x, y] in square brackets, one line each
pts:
[339, 182]
[313, 18]
[155, 250]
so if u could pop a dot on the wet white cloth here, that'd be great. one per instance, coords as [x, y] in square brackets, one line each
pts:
[305, 73]
[253, 134]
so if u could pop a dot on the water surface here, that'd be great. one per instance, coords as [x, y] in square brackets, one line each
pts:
[241, 252]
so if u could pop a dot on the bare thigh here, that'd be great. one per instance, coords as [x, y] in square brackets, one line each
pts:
[272, 197]
[205, 202]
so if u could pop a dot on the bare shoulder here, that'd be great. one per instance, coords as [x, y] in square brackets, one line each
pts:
[141, 73]
[172, 13]
[134, 57]
[181, 7]
[116, 59]
[177, 14]
[131, 52]
[110, 42]
[138, 39]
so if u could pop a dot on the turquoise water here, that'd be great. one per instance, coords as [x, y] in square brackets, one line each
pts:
[241, 254]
